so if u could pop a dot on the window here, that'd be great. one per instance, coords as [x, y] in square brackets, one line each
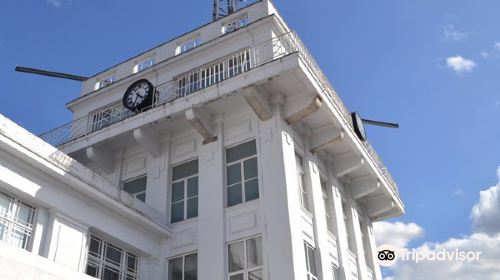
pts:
[104, 82]
[143, 65]
[213, 73]
[301, 182]
[327, 201]
[348, 226]
[109, 262]
[136, 187]
[245, 259]
[312, 274]
[242, 175]
[235, 25]
[188, 45]
[16, 221]
[184, 198]
[183, 268]
[108, 115]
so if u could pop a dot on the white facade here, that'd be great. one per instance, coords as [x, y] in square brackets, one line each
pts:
[245, 166]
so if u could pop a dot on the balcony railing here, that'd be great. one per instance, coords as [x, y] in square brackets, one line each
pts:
[209, 75]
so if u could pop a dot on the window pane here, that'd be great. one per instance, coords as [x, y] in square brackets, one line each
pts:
[4, 204]
[141, 197]
[2, 231]
[175, 269]
[236, 257]
[254, 252]
[177, 212]
[178, 191]
[185, 170]
[191, 267]
[234, 195]
[136, 185]
[192, 207]
[91, 269]
[113, 254]
[94, 248]
[250, 168]
[192, 187]
[19, 238]
[131, 263]
[236, 277]
[234, 174]
[312, 261]
[255, 275]
[110, 273]
[252, 190]
[241, 151]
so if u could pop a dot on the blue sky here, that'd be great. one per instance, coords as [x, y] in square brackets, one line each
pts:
[433, 66]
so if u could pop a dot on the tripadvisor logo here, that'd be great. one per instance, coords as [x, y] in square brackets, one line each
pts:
[387, 255]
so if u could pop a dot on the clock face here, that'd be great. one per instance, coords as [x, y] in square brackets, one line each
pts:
[138, 96]
[358, 126]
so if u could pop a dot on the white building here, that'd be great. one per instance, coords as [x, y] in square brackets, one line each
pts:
[239, 162]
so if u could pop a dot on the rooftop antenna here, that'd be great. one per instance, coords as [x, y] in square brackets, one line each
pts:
[224, 8]
[50, 73]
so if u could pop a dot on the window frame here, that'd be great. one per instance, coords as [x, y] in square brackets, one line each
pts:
[328, 204]
[12, 224]
[301, 182]
[246, 271]
[100, 261]
[134, 195]
[188, 44]
[144, 64]
[242, 181]
[309, 273]
[104, 82]
[183, 256]
[185, 190]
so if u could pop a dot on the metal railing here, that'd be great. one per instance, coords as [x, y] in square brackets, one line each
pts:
[208, 75]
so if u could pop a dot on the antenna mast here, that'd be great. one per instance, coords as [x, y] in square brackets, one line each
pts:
[224, 8]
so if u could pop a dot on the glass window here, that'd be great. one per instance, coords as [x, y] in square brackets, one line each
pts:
[136, 187]
[235, 24]
[183, 268]
[184, 199]
[189, 45]
[143, 65]
[310, 262]
[242, 173]
[109, 262]
[301, 182]
[245, 259]
[16, 221]
[104, 82]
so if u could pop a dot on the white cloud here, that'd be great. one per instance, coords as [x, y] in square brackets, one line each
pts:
[486, 214]
[459, 64]
[486, 240]
[55, 3]
[451, 33]
[397, 234]
[459, 192]
[485, 54]
[497, 46]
